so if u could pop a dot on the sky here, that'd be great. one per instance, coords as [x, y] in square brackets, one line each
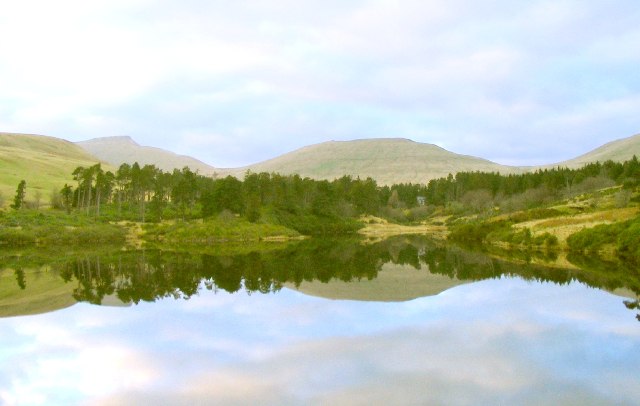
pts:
[237, 82]
[498, 341]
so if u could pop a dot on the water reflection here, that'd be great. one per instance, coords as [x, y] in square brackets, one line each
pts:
[500, 340]
[400, 268]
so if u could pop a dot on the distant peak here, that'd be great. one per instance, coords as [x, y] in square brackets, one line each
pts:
[120, 139]
[387, 139]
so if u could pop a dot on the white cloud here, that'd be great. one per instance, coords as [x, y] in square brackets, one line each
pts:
[289, 74]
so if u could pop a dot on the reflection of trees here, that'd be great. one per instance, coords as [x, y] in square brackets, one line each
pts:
[633, 305]
[22, 282]
[147, 276]
[150, 275]
[473, 265]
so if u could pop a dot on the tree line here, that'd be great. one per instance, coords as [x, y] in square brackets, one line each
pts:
[146, 193]
[478, 191]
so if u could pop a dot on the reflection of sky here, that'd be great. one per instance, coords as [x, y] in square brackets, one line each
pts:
[496, 341]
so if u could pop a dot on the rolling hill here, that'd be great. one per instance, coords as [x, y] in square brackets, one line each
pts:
[387, 160]
[47, 162]
[123, 149]
[618, 150]
[43, 162]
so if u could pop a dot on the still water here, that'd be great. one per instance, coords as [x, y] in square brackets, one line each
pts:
[404, 321]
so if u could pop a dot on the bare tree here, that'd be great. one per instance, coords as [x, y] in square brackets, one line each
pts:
[37, 198]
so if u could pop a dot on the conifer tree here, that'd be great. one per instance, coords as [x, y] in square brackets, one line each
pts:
[18, 200]
[67, 197]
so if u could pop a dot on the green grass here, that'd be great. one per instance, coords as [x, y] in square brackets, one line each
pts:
[624, 236]
[45, 163]
[388, 161]
[50, 228]
[213, 231]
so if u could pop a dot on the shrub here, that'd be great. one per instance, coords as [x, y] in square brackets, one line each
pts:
[310, 224]
[551, 240]
[546, 239]
[421, 213]
[478, 232]
[393, 215]
[16, 236]
[226, 216]
[534, 214]
[629, 241]
[592, 239]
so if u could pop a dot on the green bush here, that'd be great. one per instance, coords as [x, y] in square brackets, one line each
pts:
[592, 239]
[214, 230]
[16, 237]
[478, 232]
[629, 241]
[625, 236]
[551, 240]
[534, 214]
[309, 224]
[30, 227]
[546, 239]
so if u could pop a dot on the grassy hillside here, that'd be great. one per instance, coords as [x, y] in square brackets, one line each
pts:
[119, 150]
[618, 151]
[388, 161]
[552, 227]
[44, 162]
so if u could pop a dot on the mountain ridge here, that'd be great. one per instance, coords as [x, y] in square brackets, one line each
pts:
[123, 149]
[397, 160]
[387, 160]
[621, 149]
[47, 162]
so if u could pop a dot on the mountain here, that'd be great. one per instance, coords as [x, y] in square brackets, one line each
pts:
[388, 161]
[47, 162]
[619, 151]
[123, 149]
[43, 162]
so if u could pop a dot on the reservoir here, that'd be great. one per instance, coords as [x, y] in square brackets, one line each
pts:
[401, 321]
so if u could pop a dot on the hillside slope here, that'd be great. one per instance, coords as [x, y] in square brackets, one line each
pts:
[43, 162]
[388, 161]
[122, 149]
[618, 150]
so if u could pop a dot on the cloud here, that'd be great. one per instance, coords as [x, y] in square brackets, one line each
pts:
[263, 79]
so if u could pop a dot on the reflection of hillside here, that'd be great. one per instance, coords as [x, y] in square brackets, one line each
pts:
[394, 283]
[397, 269]
[44, 291]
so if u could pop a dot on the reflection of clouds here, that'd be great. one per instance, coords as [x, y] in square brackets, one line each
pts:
[498, 341]
[63, 373]
[404, 367]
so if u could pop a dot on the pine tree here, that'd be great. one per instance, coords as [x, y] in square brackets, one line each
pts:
[18, 201]
[67, 197]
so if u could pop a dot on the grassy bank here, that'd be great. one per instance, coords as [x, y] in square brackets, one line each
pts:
[214, 231]
[593, 223]
[52, 228]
